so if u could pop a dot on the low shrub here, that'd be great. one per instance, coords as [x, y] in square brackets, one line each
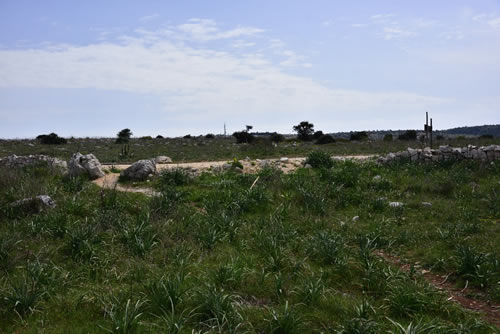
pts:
[319, 159]
[243, 137]
[325, 139]
[359, 136]
[408, 135]
[276, 137]
[51, 139]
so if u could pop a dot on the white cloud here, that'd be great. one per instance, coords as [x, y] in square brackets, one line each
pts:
[206, 30]
[495, 23]
[149, 17]
[396, 33]
[203, 84]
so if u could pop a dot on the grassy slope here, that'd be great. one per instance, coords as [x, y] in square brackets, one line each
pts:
[283, 257]
[201, 149]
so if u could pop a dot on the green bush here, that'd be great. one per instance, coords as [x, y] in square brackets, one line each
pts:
[325, 139]
[243, 137]
[276, 137]
[51, 139]
[319, 159]
[408, 135]
[358, 136]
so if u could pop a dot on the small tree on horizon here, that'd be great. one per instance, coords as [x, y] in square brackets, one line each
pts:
[123, 136]
[304, 130]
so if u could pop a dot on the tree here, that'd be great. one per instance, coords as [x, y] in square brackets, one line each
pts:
[123, 136]
[249, 127]
[304, 130]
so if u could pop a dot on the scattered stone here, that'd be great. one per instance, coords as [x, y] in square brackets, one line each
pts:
[445, 152]
[284, 160]
[14, 161]
[35, 204]
[308, 166]
[377, 178]
[139, 170]
[85, 165]
[238, 170]
[395, 204]
[162, 159]
[355, 218]
[427, 204]
[227, 166]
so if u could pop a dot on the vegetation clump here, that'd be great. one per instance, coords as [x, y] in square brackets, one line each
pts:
[358, 136]
[408, 135]
[319, 159]
[51, 139]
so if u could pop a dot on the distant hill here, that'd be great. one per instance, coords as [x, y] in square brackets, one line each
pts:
[473, 130]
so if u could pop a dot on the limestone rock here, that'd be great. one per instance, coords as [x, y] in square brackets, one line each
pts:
[139, 170]
[88, 164]
[162, 159]
[35, 204]
[14, 161]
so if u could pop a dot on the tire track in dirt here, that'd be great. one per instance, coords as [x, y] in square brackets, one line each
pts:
[490, 312]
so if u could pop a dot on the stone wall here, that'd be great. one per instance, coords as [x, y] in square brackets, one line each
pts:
[483, 153]
[14, 161]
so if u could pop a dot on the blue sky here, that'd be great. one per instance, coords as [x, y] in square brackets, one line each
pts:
[91, 68]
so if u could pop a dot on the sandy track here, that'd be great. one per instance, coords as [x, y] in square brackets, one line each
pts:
[110, 181]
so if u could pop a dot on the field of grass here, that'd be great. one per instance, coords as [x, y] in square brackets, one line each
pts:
[220, 148]
[215, 255]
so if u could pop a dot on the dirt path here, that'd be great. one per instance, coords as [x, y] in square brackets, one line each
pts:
[490, 312]
[110, 181]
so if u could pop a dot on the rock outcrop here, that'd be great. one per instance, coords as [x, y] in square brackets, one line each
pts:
[483, 153]
[139, 170]
[14, 161]
[34, 204]
[88, 164]
[162, 159]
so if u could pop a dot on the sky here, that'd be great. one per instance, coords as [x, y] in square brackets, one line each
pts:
[92, 68]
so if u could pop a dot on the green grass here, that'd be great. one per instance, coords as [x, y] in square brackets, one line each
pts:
[210, 255]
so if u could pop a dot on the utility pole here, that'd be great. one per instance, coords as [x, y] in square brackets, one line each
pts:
[428, 129]
[224, 129]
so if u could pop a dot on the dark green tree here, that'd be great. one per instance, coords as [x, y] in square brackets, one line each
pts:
[304, 130]
[123, 136]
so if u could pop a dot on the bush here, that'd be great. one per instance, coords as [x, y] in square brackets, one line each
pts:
[243, 137]
[439, 137]
[51, 139]
[318, 135]
[359, 136]
[209, 136]
[159, 137]
[325, 139]
[319, 159]
[408, 135]
[486, 136]
[388, 137]
[187, 137]
[276, 137]
[146, 138]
